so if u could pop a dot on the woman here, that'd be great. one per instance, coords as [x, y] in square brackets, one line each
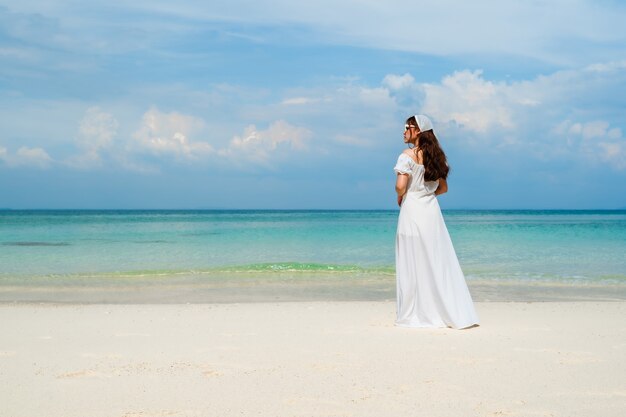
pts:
[431, 288]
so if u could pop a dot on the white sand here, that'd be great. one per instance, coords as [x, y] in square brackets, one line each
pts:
[310, 359]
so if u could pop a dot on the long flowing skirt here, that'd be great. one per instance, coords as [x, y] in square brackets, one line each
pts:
[431, 287]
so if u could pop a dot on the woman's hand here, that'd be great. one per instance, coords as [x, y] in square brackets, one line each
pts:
[399, 200]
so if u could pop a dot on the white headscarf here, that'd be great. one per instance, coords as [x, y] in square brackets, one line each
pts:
[423, 122]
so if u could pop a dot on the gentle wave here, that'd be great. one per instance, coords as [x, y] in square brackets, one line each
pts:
[312, 270]
[304, 267]
[260, 268]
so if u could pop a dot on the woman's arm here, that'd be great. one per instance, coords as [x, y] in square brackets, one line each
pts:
[401, 183]
[443, 187]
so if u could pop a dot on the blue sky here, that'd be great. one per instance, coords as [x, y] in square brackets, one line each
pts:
[288, 105]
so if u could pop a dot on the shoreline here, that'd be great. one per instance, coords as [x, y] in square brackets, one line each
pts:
[281, 287]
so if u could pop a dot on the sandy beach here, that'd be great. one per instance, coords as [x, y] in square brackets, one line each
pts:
[339, 358]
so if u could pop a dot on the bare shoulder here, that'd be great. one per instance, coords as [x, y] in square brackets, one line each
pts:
[410, 153]
[415, 156]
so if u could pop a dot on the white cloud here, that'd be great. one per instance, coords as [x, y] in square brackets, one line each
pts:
[169, 134]
[26, 157]
[97, 129]
[589, 130]
[548, 117]
[607, 66]
[348, 112]
[469, 109]
[298, 101]
[615, 133]
[398, 82]
[37, 157]
[102, 141]
[375, 96]
[96, 132]
[476, 104]
[614, 153]
[596, 129]
[259, 145]
[596, 140]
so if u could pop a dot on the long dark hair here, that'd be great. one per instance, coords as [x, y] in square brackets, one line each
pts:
[435, 162]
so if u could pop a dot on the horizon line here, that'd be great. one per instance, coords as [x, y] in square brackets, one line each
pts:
[300, 209]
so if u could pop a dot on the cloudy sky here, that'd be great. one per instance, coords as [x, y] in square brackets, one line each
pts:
[281, 104]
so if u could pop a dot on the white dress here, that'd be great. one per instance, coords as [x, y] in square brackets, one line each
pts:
[431, 287]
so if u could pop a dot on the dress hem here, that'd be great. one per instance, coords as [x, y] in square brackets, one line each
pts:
[412, 326]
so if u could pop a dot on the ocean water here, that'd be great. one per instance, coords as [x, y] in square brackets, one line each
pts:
[527, 245]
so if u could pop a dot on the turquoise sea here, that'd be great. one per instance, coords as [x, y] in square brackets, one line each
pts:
[527, 245]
